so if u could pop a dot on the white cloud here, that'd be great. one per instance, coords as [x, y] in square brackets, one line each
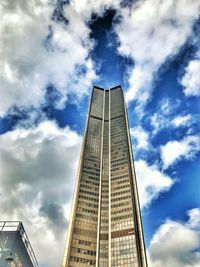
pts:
[30, 63]
[194, 218]
[176, 243]
[181, 120]
[150, 33]
[88, 7]
[166, 106]
[167, 117]
[161, 120]
[141, 136]
[190, 79]
[173, 151]
[27, 67]
[158, 122]
[151, 182]
[38, 170]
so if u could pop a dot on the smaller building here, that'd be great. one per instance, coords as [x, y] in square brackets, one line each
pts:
[15, 248]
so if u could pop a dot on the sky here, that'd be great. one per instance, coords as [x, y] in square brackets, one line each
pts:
[52, 54]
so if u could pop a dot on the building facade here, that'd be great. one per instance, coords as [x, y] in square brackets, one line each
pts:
[15, 248]
[105, 227]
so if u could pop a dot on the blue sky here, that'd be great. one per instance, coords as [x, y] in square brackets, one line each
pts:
[51, 59]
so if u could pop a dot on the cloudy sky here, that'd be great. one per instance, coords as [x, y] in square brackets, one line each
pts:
[52, 53]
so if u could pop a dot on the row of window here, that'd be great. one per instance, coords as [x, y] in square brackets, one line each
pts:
[92, 173]
[119, 135]
[127, 185]
[123, 180]
[90, 187]
[114, 146]
[85, 232]
[118, 168]
[121, 210]
[80, 209]
[88, 198]
[91, 168]
[94, 164]
[83, 242]
[121, 198]
[121, 158]
[88, 192]
[91, 159]
[89, 180]
[86, 217]
[92, 226]
[122, 163]
[117, 218]
[87, 204]
[121, 225]
[119, 177]
[84, 251]
[116, 205]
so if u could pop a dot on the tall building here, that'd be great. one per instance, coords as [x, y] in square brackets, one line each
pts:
[105, 225]
[15, 248]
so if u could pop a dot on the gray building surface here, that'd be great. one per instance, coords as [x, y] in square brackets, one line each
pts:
[15, 248]
[105, 226]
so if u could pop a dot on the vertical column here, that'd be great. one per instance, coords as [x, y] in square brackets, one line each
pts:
[136, 206]
[98, 251]
[123, 241]
[104, 194]
[109, 177]
[82, 242]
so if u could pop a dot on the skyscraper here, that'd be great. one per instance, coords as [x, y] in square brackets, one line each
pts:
[105, 225]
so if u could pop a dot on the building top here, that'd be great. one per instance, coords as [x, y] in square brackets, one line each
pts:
[17, 226]
[112, 88]
[97, 87]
